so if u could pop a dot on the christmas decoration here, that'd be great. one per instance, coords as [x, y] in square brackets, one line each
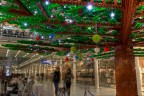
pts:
[97, 50]
[73, 49]
[37, 38]
[76, 57]
[96, 38]
[92, 59]
[106, 49]
[66, 59]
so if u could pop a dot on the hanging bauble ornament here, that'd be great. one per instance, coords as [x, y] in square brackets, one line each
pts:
[37, 38]
[58, 36]
[80, 56]
[106, 49]
[76, 57]
[66, 59]
[96, 38]
[97, 50]
[73, 49]
[51, 36]
[92, 59]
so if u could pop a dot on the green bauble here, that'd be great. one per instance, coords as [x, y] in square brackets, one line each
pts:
[96, 38]
[73, 49]
[80, 56]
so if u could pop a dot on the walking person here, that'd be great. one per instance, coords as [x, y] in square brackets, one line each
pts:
[67, 80]
[56, 80]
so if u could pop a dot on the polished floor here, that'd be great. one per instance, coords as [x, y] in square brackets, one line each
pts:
[79, 90]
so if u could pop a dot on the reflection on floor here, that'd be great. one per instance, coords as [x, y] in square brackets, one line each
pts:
[79, 90]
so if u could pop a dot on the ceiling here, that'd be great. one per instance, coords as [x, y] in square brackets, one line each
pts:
[85, 24]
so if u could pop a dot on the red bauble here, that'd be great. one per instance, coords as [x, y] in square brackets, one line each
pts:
[92, 59]
[37, 38]
[66, 59]
[106, 49]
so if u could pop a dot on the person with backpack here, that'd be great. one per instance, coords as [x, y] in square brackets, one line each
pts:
[56, 80]
[67, 80]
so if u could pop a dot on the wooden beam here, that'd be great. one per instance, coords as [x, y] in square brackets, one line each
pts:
[140, 3]
[138, 44]
[23, 8]
[10, 19]
[139, 15]
[85, 34]
[84, 24]
[42, 9]
[77, 2]
[137, 30]
[18, 12]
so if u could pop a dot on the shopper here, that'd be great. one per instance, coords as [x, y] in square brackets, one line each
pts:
[56, 80]
[67, 79]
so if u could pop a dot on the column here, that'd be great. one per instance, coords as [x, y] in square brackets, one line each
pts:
[61, 77]
[139, 77]
[74, 70]
[126, 84]
[96, 73]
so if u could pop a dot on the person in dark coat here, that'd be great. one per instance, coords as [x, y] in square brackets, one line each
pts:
[56, 80]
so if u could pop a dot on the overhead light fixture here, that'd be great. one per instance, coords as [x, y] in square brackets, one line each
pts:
[46, 2]
[17, 53]
[51, 16]
[70, 21]
[25, 24]
[35, 12]
[112, 15]
[42, 37]
[90, 7]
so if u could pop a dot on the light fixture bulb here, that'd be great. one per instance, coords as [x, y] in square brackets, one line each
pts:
[70, 21]
[46, 2]
[112, 15]
[25, 24]
[42, 37]
[35, 12]
[89, 7]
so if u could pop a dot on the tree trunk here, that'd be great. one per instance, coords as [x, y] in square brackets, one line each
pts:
[126, 83]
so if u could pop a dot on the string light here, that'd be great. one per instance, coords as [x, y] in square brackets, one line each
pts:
[46, 2]
[25, 24]
[112, 15]
[7, 53]
[70, 21]
[90, 7]
[17, 53]
[25, 55]
[35, 12]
